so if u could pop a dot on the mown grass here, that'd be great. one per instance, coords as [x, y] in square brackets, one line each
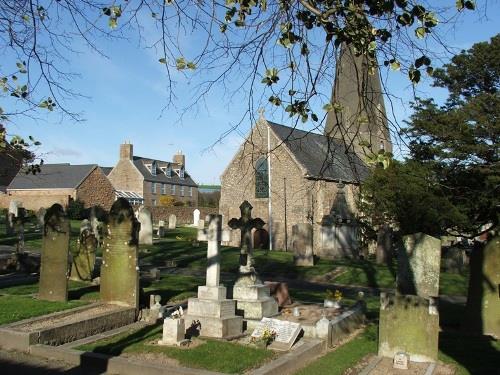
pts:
[19, 307]
[344, 357]
[211, 355]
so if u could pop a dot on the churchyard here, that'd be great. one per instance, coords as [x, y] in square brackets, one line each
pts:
[166, 273]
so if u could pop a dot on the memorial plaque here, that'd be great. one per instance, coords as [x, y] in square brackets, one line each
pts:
[400, 361]
[286, 332]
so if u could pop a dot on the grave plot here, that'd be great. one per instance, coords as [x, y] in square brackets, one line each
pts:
[119, 284]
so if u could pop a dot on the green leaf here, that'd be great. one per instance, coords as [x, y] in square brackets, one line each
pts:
[191, 65]
[372, 46]
[162, 60]
[420, 32]
[112, 23]
[328, 107]
[180, 63]
[395, 65]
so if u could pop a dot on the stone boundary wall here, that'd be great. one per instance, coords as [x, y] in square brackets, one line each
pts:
[184, 214]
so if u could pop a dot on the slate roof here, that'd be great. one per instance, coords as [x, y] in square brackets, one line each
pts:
[322, 157]
[53, 176]
[161, 177]
[106, 170]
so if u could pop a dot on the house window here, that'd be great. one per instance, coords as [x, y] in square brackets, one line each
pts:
[153, 187]
[153, 202]
[163, 189]
[261, 179]
[172, 189]
[153, 168]
[181, 173]
[169, 171]
[190, 191]
[182, 191]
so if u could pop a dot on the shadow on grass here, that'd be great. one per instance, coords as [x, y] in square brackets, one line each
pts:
[476, 354]
[117, 346]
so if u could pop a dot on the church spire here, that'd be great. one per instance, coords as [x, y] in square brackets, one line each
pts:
[358, 119]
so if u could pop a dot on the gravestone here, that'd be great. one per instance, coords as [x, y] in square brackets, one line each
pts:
[286, 332]
[253, 297]
[173, 331]
[490, 314]
[146, 221]
[53, 284]
[408, 324]
[41, 216]
[11, 216]
[400, 361]
[97, 224]
[196, 217]
[19, 228]
[419, 262]
[161, 229]
[261, 239]
[214, 312]
[201, 224]
[302, 245]
[83, 264]
[172, 221]
[119, 269]
[384, 245]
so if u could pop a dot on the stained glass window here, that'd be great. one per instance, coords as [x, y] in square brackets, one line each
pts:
[261, 179]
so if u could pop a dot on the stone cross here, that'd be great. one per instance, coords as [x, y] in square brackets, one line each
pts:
[245, 224]
[213, 235]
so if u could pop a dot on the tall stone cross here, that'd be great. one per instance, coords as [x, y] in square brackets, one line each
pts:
[245, 224]
[213, 234]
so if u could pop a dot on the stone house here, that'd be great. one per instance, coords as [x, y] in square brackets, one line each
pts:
[310, 178]
[62, 183]
[146, 181]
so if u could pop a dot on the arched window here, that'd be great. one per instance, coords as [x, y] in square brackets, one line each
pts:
[261, 179]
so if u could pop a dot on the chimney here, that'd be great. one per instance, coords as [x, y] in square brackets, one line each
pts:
[180, 159]
[126, 151]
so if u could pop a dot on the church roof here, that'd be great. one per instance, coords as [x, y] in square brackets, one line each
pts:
[322, 157]
[53, 176]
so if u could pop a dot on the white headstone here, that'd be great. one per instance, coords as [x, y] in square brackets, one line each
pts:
[13, 207]
[146, 232]
[173, 331]
[172, 221]
[196, 217]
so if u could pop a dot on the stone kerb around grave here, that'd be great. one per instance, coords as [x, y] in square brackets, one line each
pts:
[119, 270]
[53, 284]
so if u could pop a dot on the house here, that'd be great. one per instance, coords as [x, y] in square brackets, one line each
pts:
[311, 178]
[150, 181]
[62, 183]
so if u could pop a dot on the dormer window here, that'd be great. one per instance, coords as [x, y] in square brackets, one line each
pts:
[181, 173]
[169, 171]
[153, 168]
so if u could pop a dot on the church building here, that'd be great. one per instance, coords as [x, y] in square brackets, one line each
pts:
[311, 178]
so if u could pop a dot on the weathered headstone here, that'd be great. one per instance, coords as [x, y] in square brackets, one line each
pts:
[119, 270]
[196, 217]
[172, 221]
[19, 221]
[161, 229]
[97, 224]
[491, 294]
[146, 221]
[211, 309]
[11, 216]
[41, 216]
[253, 297]
[53, 284]
[302, 244]
[400, 361]
[173, 331]
[384, 244]
[286, 332]
[419, 262]
[83, 264]
[408, 324]
[201, 224]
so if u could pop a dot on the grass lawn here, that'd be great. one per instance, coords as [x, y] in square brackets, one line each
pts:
[19, 302]
[346, 356]
[210, 354]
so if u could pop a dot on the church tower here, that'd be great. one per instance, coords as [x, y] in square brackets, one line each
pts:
[358, 119]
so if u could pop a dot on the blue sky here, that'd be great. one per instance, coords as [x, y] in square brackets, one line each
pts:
[127, 94]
